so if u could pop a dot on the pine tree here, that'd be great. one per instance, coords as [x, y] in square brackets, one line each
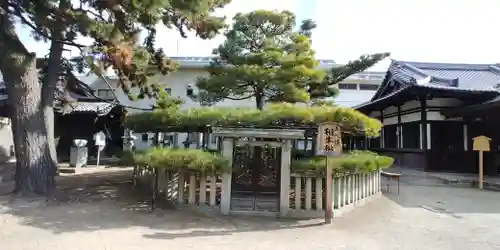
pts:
[264, 57]
[115, 28]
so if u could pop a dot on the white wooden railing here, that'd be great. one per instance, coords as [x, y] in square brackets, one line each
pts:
[184, 187]
[308, 196]
[307, 192]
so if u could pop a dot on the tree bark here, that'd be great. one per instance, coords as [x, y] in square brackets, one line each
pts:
[48, 89]
[259, 98]
[50, 81]
[35, 169]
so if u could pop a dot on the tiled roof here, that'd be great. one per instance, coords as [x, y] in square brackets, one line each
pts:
[382, 98]
[473, 77]
[100, 108]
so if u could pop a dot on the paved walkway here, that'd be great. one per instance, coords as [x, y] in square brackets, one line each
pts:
[96, 211]
[455, 179]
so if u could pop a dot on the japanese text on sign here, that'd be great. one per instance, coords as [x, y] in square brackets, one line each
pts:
[329, 139]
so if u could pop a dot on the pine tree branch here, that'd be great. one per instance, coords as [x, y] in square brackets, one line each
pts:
[356, 66]
[100, 17]
[239, 99]
[18, 13]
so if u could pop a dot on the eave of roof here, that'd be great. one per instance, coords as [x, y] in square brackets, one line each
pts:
[99, 108]
[469, 77]
[388, 98]
[459, 78]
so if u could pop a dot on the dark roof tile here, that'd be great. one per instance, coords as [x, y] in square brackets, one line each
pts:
[478, 77]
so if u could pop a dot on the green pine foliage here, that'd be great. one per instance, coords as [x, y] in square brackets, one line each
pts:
[355, 161]
[275, 115]
[198, 160]
[263, 57]
[178, 159]
[123, 33]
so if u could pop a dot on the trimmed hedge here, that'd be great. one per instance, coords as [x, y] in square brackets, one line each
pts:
[179, 158]
[277, 114]
[352, 162]
[203, 161]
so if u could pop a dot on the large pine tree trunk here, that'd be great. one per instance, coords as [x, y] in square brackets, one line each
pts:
[50, 82]
[35, 169]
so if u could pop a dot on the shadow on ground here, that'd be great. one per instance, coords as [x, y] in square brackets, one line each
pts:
[419, 191]
[101, 201]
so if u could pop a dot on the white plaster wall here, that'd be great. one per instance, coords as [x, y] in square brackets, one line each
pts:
[6, 139]
[349, 98]
[443, 102]
[415, 115]
[178, 81]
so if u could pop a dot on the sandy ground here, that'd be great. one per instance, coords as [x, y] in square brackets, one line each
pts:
[102, 211]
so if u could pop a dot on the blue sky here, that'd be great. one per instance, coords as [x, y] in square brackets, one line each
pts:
[306, 9]
[425, 30]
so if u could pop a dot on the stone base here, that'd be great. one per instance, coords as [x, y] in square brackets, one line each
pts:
[78, 157]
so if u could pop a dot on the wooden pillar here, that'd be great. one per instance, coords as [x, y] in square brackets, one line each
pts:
[382, 143]
[286, 158]
[227, 151]
[466, 137]
[424, 128]
[400, 129]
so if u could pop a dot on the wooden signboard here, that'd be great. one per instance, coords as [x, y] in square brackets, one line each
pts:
[329, 143]
[481, 144]
[329, 140]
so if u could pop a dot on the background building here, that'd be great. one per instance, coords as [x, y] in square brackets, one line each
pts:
[354, 90]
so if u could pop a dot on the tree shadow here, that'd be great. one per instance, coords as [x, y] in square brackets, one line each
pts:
[418, 191]
[7, 171]
[105, 201]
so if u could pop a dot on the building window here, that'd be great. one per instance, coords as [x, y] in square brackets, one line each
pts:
[374, 142]
[145, 137]
[105, 93]
[376, 77]
[390, 136]
[189, 90]
[168, 90]
[411, 135]
[368, 86]
[453, 132]
[351, 86]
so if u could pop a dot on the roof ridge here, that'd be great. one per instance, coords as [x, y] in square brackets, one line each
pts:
[450, 66]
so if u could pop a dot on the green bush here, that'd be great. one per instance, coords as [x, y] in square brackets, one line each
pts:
[277, 114]
[352, 162]
[179, 158]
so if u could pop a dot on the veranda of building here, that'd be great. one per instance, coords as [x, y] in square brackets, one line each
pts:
[431, 112]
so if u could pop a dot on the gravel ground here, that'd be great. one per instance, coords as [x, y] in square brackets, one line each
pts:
[101, 211]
